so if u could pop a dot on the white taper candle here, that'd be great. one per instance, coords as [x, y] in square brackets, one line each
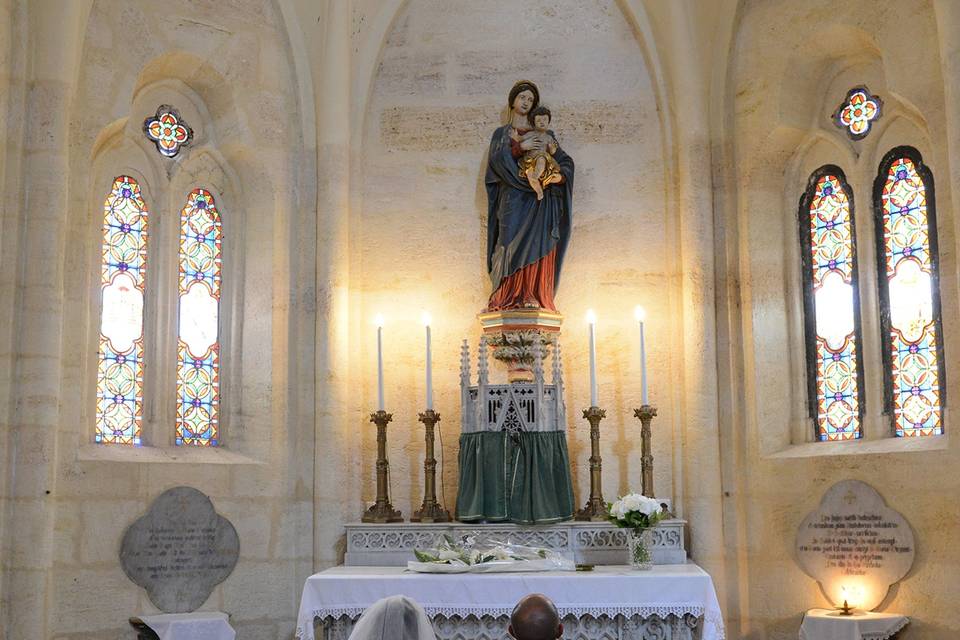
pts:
[379, 321]
[641, 315]
[592, 319]
[426, 323]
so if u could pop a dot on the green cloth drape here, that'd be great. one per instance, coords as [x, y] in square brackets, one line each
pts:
[523, 478]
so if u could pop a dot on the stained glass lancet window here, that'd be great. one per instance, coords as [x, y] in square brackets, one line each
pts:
[832, 322]
[198, 348]
[122, 279]
[909, 296]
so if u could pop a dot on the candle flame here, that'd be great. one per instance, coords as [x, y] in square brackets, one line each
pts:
[378, 320]
[639, 313]
[425, 319]
[591, 317]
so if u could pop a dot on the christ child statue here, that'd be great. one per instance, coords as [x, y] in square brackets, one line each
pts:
[538, 166]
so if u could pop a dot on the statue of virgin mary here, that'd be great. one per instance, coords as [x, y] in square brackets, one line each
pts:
[514, 464]
[526, 237]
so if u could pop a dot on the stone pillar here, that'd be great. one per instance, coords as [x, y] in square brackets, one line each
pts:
[696, 432]
[12, 110]
[948, 21]
[52, 54]
[338, 413]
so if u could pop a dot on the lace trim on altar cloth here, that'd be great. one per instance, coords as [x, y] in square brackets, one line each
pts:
[594, 610]
[711, 619]
[888, 633]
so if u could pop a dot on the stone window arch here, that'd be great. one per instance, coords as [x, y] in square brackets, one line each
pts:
[172, 186]
[887, 406]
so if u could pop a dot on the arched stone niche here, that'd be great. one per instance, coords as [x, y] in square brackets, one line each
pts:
[437, 93]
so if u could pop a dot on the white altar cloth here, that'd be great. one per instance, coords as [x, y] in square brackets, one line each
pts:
[607, 590]
[202, 625]
[824, 624]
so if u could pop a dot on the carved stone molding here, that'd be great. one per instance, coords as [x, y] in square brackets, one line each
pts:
[585, 542]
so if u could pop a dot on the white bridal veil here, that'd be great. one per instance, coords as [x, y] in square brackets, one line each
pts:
[393, 618]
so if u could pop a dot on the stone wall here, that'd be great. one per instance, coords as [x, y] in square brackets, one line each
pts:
[12, 88]
[345, 142]
[99, 70]
[790, 71]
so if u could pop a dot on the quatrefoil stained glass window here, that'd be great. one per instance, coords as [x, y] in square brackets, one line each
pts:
[168, 130]
[857, 113]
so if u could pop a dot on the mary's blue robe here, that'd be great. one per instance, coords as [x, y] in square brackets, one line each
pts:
[520, 228]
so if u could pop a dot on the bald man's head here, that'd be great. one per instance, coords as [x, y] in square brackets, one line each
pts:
[535, 618]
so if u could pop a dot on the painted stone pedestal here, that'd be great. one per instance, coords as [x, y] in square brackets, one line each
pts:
[514, 336]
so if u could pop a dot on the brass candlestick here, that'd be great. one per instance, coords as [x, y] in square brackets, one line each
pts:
[382, 511]
[596, 509]
[646, 413]
[846, 609]
[430, 510]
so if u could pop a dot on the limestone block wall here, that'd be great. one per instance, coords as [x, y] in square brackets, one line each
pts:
[792, 66]
[418, 231]
[99, 70]
[12, 86]
[351, 181]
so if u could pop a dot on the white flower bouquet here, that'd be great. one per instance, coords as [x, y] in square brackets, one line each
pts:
[480, 554]
[637, 513]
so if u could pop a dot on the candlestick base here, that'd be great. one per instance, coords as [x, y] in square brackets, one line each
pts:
[845, 610]
[646, 413]
[596, 509]
[381, 514]
[430, 510]
[431, 513]
[381, 511]
[593, 511]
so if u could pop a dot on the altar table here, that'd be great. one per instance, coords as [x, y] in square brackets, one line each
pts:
[212, 625]
[827, 624]
[669, 601]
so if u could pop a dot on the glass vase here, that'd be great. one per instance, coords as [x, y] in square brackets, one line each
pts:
[639, 549]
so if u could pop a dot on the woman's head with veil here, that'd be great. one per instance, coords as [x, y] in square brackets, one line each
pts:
[524, 97]
[393, 618]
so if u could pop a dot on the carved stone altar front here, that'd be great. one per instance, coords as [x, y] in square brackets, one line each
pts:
[597, 543]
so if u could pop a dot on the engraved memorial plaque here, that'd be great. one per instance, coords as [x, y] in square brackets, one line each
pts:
[854, 545]
[180, 550]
